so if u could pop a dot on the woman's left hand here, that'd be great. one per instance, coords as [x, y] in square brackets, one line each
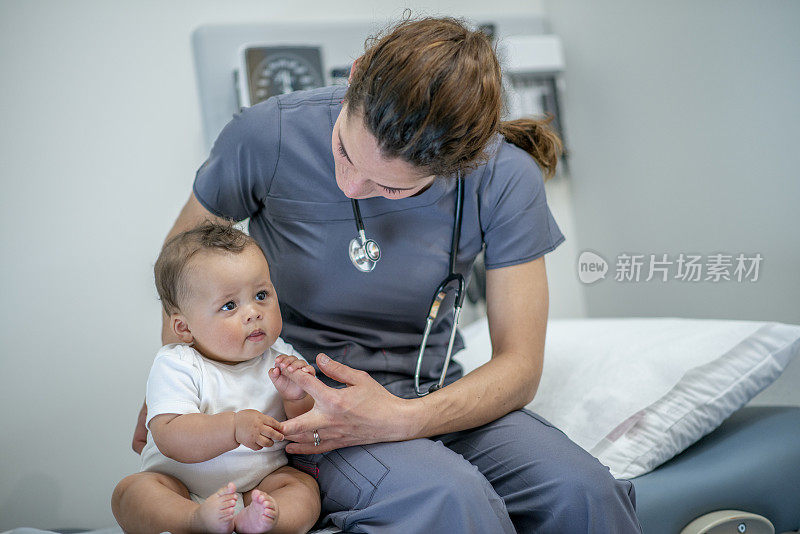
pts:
[363, 412]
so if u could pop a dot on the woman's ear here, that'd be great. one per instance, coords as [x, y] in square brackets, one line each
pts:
[352, 68]
[181, 328]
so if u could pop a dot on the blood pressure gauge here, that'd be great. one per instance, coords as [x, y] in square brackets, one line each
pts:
[265, 71]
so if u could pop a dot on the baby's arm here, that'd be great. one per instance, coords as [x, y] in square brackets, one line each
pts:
[197, 437]
[295, 400]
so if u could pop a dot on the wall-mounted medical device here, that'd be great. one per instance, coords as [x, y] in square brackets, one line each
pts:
[532, 69]
[267, 70]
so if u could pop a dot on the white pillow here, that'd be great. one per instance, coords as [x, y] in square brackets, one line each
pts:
[636, 392]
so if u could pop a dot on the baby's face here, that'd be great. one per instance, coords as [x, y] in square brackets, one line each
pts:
[231, 309]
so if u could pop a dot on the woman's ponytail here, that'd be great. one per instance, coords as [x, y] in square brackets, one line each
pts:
[537, 138]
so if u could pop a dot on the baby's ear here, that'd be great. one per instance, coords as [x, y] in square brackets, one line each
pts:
[181, 328]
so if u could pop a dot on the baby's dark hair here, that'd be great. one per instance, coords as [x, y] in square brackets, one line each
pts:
[170, 268]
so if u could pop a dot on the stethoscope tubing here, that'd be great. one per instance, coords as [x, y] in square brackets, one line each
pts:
[457, 224]
[357, 216]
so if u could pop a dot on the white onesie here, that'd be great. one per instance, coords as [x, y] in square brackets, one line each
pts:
[182, 381]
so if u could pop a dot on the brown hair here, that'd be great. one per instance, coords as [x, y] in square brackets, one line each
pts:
[429, 90]
[170, 267]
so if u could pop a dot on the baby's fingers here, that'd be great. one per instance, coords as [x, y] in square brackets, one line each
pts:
[264, 441]
[269, 431]
[295, 365]
[298, 365]
[284, 360]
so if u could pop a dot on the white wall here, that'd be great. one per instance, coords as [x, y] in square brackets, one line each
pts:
[100, 136]
[683, 119]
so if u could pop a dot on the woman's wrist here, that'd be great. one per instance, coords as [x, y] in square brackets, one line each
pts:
[412, 418]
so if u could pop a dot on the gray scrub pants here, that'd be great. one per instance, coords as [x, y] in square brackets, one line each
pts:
[516, 474]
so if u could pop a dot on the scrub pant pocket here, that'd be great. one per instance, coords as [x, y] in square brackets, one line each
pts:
[346, 487]
[350, 477]
[410, 486]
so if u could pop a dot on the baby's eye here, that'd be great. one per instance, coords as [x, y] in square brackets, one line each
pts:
[341, 151]
[261, 295]
[228, 306]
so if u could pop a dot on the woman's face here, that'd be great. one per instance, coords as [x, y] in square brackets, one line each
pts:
[361, 169]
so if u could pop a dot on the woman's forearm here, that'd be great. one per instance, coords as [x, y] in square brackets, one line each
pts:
[196, 437]
[516, 310]
[505, 383]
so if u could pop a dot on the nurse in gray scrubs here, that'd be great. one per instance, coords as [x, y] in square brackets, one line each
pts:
[423, 106]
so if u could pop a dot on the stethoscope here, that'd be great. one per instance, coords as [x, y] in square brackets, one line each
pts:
[365, 253]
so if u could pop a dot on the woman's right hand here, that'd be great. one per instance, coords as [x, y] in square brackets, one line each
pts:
[140, 433]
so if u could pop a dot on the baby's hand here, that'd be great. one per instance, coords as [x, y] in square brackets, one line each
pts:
[255, 430]
[281, 375]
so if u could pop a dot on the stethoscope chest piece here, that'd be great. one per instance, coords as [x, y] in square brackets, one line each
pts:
[364, 253]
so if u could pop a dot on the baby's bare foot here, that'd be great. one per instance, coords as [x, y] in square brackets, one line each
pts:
[258, 516]
[215, 514]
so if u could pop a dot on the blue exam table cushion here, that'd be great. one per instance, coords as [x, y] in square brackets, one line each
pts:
[750, 463]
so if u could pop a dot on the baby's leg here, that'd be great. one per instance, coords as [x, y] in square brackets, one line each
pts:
[154, 502]
[286, 501]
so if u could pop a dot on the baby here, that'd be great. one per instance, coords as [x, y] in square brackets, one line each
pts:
[212, 414]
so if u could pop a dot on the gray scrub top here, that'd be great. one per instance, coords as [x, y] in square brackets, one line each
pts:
[273, 163]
